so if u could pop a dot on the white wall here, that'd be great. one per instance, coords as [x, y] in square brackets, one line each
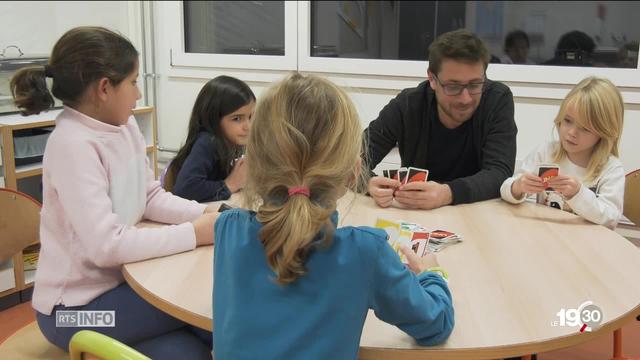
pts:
[35, 26]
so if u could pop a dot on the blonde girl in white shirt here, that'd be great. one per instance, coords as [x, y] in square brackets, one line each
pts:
[590, 181]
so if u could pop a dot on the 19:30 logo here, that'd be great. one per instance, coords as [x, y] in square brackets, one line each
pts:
[587, 316]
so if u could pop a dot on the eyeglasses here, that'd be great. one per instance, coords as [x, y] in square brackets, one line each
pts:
[456, 89]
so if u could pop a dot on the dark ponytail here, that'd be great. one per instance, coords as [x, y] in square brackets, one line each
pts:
[80, 57]
[29, 87]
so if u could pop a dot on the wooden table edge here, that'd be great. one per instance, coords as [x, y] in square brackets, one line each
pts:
[181, 314]
[498, 352]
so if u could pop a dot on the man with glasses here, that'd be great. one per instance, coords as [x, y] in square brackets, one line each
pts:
[457, 124]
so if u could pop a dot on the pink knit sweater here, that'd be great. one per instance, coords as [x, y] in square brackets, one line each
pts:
[97, 185]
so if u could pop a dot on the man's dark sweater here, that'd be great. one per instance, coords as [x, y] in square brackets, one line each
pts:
[479, 161]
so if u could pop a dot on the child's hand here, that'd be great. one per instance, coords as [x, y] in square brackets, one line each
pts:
[203, 227]
[419, 264]
[566, 185]
[236, 180]
[526, 184]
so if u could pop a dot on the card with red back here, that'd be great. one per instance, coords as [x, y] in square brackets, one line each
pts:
[390, 173]
[441, 234]
[548, 172]
[416, 174]
[402, 175]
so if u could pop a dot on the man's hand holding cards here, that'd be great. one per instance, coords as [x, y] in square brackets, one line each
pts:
[410, 188]
[418, 193]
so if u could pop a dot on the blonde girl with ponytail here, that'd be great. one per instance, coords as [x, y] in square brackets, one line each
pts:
[287, 282]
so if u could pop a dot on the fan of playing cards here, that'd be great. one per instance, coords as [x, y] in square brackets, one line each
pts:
[416, 237]
[405, 175]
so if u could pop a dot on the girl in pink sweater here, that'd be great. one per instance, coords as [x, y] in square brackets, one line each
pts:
[97, 185]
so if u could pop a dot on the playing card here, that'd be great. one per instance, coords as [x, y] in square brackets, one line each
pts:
[390, 173]
[440, 239]
[420, 235]
[416, 237]
[554, 199]
[420, 247]
[393, 232]
[402, 175]
[441, 234]
[416, 174]
[548, 172]
[410, 226]
[396, 236]
[420, 241]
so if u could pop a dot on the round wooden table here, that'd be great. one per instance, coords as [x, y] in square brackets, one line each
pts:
[516, 269]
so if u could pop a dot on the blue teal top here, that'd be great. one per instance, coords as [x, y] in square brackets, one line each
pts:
[321, 314]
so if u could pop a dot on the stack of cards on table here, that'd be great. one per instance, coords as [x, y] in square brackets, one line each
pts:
[440, 239]
[405, 175]
[416, 237]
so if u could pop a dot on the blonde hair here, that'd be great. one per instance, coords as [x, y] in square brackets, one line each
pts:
[600, 110]
[305, 132]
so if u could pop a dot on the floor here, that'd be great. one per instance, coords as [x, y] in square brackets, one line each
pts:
[18, 316]
[14, 318]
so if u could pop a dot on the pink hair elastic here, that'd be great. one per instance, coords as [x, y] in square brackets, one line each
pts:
[302, 190]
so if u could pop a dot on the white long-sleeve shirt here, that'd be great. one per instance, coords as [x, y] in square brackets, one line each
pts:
[599, 201]
[97, 184]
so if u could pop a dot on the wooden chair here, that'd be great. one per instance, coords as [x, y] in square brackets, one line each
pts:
[99, 346]
[28, 343]
[632, 197]
[631, 211]
[19, 224]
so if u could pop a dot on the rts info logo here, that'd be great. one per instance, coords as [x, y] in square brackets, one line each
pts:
[587, 316]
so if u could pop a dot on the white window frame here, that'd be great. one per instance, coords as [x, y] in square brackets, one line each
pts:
[535, 81]
[308, 63]
[180, 58]
[536, 74]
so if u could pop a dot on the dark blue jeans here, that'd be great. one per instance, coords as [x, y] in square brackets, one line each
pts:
[137, 324]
